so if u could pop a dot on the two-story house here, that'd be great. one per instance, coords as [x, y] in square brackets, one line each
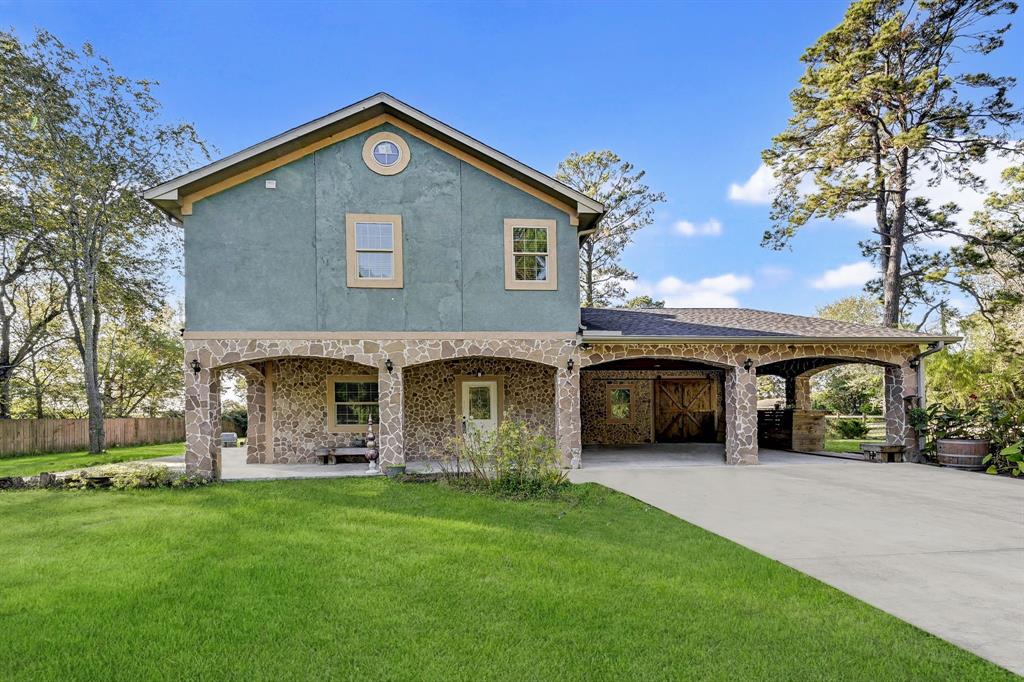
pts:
[377, 263]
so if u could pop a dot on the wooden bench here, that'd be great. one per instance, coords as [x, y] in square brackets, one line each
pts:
[338, 455]
[879, 452]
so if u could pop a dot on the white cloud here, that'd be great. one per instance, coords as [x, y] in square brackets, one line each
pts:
[850, 275]
[711, 228]
[757, 189]
[709, 292]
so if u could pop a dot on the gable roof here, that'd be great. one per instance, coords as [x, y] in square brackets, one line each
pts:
[173, 196]
[740, 325]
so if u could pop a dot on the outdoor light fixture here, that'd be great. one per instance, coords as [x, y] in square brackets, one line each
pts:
[747, 364]
[388, 365]
[196, 367]
[914, 363]
[569, 364]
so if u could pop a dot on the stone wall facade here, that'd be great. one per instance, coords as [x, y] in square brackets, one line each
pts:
[597, 430]
[431, 415]
[299, 413]
[202, 402]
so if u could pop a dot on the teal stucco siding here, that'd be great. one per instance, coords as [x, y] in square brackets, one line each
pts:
[260, 259]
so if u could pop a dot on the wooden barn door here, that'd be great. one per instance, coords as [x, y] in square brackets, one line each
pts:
[685, 410]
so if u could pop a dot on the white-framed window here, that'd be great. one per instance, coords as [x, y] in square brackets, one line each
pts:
[374, 250]
[351, 401]
[531, 256]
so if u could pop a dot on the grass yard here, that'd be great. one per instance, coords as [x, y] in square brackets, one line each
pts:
[30, 465]
[847, 444]
[371, 579]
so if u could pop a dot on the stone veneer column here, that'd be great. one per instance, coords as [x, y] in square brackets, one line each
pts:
[202, 420]
[898, 383]
[798, 392]
[568, 430]
[740, 416]
[392, 418]
[256, 409]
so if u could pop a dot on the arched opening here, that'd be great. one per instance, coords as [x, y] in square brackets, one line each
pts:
[640, 402]
[295, 407]
[832, 405]
[443, 397]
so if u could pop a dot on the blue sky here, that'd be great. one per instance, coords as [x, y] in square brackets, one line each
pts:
[691, 92]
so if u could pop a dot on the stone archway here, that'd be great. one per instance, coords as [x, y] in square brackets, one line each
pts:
[388, 357]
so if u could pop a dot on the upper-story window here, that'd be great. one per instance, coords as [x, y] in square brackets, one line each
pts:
[530, 254]
[374, 250]
[386, 153]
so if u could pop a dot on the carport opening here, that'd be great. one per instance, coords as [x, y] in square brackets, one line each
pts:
[823, 406]
[640, 401]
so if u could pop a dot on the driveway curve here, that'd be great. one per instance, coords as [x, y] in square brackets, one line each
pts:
[941, 549]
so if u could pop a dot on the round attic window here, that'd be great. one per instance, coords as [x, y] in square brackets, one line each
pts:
[386, 153]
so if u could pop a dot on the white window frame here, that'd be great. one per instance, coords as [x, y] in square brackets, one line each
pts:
[549, 284]
[352, 254]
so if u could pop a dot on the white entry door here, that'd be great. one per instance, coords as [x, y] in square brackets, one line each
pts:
[480, 405]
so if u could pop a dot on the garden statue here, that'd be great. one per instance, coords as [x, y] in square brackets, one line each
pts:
[371, 448]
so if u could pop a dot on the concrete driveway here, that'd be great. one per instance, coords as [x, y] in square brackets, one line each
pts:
[941, 549]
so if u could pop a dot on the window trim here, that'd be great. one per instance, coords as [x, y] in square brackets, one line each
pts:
[609, 419]
[549, 284]
[352, 259]
[380, 169]
[332, 414]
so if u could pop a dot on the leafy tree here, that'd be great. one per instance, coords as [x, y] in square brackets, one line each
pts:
[140, 362]
[854, 388]
[82, 142]
[628, 202]
[991, 259]
[644, 301]
[880, 110]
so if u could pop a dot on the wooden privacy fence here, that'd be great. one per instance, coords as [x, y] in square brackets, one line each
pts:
[22, 436]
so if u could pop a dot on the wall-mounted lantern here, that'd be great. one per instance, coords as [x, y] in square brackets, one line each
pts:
[389, 366]
[569, 364]
[747, 364]
[196, 367]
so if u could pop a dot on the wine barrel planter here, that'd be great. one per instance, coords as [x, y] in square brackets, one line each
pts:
[961, 453]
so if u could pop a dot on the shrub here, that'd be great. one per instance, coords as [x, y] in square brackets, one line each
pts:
[129, 477]
[849, 428]
[513, 460]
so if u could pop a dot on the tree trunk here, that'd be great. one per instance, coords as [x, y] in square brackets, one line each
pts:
[892, 276]
[89, 316]
[588, 274]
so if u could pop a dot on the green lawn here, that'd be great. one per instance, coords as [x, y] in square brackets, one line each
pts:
[847, 444]
[29, 465]
[371, 579]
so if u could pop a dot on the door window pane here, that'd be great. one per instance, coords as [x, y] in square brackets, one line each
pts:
[479, 402]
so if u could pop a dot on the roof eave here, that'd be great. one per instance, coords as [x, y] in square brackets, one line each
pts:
[588, 209]
[597, 337]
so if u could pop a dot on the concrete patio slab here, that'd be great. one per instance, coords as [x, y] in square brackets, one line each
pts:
[941, 549]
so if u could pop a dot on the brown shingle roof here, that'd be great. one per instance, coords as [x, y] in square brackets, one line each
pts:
[735, 323]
